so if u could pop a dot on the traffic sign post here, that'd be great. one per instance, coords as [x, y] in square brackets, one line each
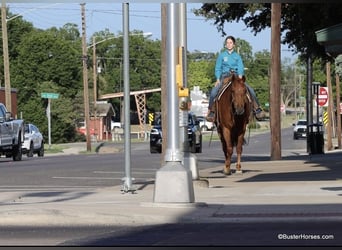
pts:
[49, 96]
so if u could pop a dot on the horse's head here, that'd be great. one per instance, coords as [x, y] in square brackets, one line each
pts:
[239, 92]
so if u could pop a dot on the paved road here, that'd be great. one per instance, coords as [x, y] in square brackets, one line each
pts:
[291, 202]
[221, 234]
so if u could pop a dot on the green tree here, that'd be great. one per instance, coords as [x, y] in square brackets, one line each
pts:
[299, 21]
[48, 62]
[201, 73]
[257, 75]
[144, 65]
[17, 28]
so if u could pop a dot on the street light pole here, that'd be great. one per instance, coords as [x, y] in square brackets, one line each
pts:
[127, 186]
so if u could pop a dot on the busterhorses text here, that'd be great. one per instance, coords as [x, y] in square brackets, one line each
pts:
[233, 112]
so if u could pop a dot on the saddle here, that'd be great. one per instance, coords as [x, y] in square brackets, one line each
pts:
[225, 85]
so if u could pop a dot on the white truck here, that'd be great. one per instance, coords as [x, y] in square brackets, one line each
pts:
[11, 135]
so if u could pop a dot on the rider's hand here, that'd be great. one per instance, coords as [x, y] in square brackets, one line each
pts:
[217, 82]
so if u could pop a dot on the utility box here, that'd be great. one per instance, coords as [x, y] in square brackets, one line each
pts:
[316, 138]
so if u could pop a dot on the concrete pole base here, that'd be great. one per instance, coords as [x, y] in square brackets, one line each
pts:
[190, 162]
[173, 184]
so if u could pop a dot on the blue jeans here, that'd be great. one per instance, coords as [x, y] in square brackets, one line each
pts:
[214, 91]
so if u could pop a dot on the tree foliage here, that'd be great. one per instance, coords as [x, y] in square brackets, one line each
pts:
[48, 61]
[299, 21]
[51, 61]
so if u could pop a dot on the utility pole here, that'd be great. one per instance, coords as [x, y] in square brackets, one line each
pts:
[338, 113]
[275, 122]
[94, 81]
[85, 77]
[331, 119]
[8, 102]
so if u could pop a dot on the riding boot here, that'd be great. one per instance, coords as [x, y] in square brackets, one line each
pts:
[211, 114]
[258, 112]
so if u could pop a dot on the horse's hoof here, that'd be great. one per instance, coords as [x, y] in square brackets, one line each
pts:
[238, 172]
[226, 171]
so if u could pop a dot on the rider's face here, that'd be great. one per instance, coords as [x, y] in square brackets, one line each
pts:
[230, 44]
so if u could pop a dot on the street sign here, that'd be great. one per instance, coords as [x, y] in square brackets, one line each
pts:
[323, 96]
[49, 95]
[282, 108]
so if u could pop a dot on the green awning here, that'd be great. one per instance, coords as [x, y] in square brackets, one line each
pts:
[331, 39]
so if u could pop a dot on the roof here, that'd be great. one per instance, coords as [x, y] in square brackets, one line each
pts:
[331, 39]
[103, 109]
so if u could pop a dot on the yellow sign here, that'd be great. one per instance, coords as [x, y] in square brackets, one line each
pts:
[325, 117]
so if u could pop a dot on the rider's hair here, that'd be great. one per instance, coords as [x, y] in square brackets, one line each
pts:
[229, 37]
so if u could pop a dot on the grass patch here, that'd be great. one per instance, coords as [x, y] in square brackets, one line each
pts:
[54, 148]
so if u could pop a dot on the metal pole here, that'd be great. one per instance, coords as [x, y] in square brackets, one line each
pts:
[49, 120]
[308, 101]
[173, 152]
[127, 186]
[315, 86]
[183, 126]
[190, 160]
[173, 182]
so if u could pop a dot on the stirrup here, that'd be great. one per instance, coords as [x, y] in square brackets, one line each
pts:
[210, 117]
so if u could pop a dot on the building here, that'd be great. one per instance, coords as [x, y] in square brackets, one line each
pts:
[14, 110]
[100, 122]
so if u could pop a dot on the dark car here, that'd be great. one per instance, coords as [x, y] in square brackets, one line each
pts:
[194, 135]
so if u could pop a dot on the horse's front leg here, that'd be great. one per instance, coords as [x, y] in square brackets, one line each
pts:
[239, 153]
[228, 155]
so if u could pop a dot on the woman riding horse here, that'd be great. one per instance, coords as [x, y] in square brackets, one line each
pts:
[228, 61]
[233, 112]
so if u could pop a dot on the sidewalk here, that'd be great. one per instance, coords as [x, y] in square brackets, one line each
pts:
[307, 188]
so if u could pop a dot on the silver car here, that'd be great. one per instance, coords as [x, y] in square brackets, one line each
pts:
[34, 141]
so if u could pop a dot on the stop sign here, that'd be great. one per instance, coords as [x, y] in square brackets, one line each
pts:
[323, 96]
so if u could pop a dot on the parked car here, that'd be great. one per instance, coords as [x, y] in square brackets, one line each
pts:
[11, 135]
[194, 135]
[33, 141]
[299, 130]
[204, 124]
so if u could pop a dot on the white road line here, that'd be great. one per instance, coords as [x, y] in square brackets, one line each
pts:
[119, 172]
[86, 178]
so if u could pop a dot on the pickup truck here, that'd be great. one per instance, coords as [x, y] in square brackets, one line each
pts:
[11, 135]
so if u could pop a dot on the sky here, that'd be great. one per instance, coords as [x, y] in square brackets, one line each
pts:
[202, 35]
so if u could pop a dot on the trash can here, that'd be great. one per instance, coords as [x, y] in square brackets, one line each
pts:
[316, 138]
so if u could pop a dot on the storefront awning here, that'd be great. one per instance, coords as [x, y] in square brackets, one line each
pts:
[331, 39]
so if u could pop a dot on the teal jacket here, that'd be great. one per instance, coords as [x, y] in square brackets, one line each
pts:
[226, 62]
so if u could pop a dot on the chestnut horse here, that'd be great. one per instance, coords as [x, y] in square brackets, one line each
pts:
[233, 112]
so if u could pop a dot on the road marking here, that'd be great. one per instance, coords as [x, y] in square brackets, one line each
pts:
[94, 178]
[85, 178]
[133, 172]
